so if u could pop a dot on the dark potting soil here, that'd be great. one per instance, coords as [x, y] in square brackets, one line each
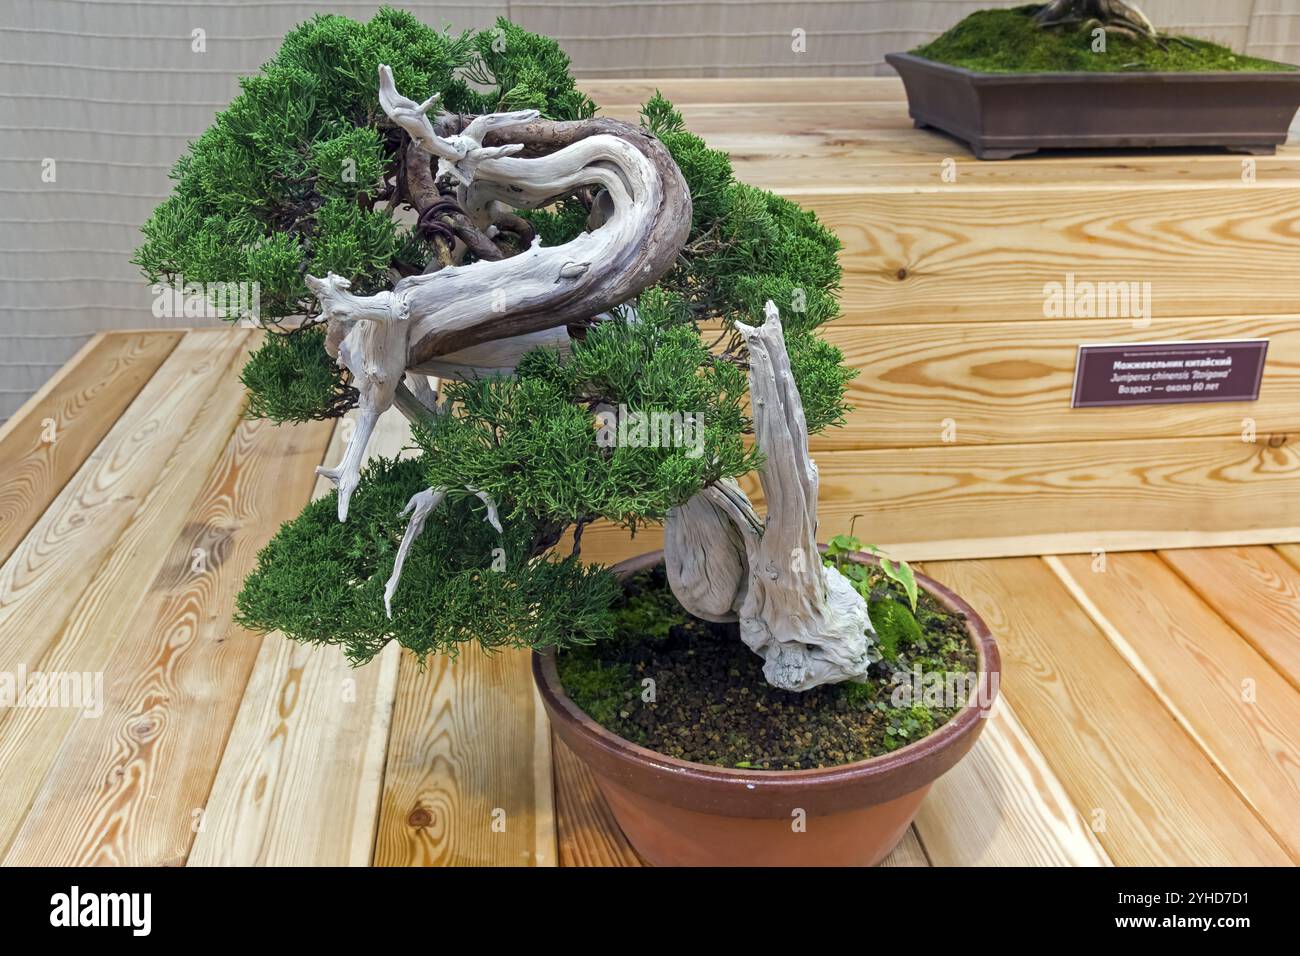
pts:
[709, 703]
[1008, 41]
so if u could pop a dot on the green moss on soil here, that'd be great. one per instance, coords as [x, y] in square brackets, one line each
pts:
[1008, 41]
[711, 704]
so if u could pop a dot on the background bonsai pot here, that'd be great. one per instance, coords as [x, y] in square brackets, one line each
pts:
[1008, 114]
[679, 813]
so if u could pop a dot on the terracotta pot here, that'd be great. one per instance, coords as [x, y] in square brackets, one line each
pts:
[679, 813]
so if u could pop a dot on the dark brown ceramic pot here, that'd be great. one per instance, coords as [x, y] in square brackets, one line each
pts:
[1009, 114]
[679, 813]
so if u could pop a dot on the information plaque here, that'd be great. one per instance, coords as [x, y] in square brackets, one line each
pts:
[1165, 373]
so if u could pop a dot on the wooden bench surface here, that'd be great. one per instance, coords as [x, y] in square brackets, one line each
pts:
[1149, 699]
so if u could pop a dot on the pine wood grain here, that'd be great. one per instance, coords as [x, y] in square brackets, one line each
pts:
[585, 829]
[300, 778]
[1003, 806]
[93, 564]
[44, 443]
[736, 91]
[909, 852]
[46, 575]
[1146, 790]
[997, 500]
[1241, 712]
[468, 781]
[983, 383]
[834, 146]
[925, 255]
[128, 788]
[1291, 552]
[1256, 590]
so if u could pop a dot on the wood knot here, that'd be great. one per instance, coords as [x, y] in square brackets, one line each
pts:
[901, 273]
[1276, 441]
[420, 817]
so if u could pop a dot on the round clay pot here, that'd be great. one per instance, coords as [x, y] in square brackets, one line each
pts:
[680, 813]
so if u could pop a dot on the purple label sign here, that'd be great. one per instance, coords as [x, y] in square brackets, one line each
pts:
[1164, 373]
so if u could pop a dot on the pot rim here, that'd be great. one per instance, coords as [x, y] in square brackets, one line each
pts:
[954, 731]
[1056, 76]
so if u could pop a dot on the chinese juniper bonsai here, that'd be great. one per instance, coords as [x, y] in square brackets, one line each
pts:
[551, 268]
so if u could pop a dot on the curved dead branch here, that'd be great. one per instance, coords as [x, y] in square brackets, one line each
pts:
[485, 314]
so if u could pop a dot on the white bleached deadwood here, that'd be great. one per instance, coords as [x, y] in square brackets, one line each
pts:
[373, 348]
[805, 620]
[498, 357]
[419, 508]
[424, 388]
[705, 553]
[466, 320]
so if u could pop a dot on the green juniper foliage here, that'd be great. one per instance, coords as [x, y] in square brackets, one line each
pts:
[294, 179]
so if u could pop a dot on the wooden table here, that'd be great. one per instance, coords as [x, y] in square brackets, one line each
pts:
[1150, 707]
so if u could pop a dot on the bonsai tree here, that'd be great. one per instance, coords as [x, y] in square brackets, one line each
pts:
[414, 203]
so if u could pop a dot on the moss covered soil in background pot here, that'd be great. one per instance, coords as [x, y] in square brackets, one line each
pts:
[1008, 41]
[704, 763]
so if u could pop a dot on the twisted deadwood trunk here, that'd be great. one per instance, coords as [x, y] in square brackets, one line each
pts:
[1115, 16]
[806, 621]
[464, 319]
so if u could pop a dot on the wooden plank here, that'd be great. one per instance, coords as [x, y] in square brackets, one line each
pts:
[841, 162]
[909, 852]
[1256, 590]
[819, 147]
[985, 383]
[127, 788]
[929, 256]
[1241, 712]
[1291, 552]
[50, 569]
[585, 829]
[468, 781]
[683, 92]
[1003, 806]
[1148, 793]
[300, 778]
[88, 564]
[997, 500]
[44, 443]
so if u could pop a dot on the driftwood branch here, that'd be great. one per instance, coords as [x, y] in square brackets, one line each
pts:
[460, 320]
[806, 620]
